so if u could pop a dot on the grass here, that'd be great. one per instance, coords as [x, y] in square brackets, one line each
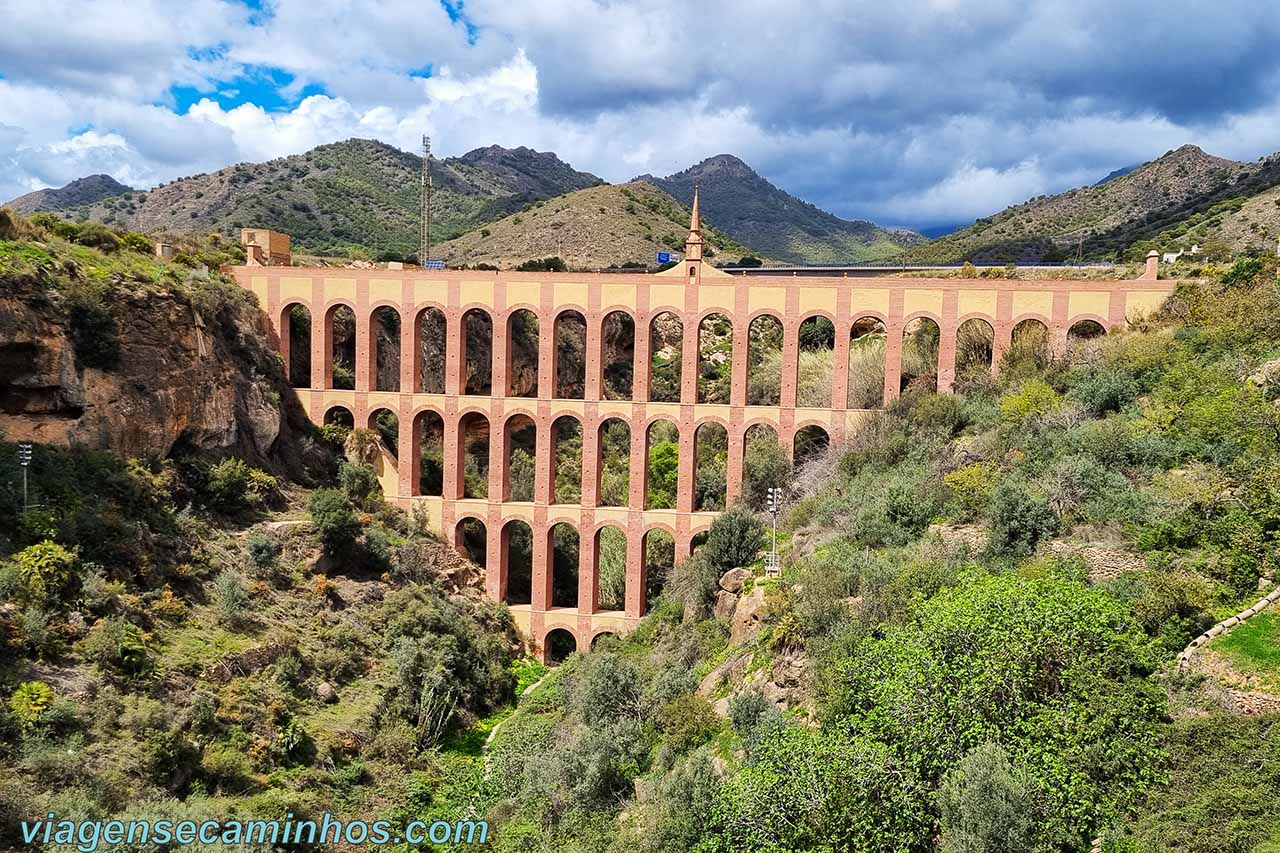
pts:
[1254, 647]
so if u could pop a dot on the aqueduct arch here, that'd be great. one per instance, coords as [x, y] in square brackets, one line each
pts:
[477, 348]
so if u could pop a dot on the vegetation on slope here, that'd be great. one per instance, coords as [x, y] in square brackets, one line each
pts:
[1120, 219]
[621, 226]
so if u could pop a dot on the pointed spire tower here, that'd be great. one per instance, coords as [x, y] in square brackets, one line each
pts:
[692, 266]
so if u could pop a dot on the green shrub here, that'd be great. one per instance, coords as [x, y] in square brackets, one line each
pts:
[1033, 400]
[334, 520]
[986, 805]
[1103, 391]
[734, 539]
[264, 551]
[971, 487]
[45, 570]
[360, 482]
[230, 598]
[30, 701]
[688, 721]
[231, 486]
[1019, 520]
[766, 466]
[94, 333]
[117, 645]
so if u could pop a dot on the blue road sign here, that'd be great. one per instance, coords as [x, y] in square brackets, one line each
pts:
[664, 257]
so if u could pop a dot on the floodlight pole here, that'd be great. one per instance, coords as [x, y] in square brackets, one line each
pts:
[24, 461]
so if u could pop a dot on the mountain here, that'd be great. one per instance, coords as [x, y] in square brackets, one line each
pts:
[1112, 219]
[608, 225]
[742, 203]
[82, 191]
[358, 194]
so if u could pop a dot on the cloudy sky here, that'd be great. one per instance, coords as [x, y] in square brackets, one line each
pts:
[914, 112]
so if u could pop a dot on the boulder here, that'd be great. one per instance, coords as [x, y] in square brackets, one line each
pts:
[734, 579]
[725, 604]
[747, 617]
[325, 693]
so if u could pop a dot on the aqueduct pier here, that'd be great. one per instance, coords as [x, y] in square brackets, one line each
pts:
[692, 292]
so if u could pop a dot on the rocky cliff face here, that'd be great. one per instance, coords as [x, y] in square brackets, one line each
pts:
[182, 381]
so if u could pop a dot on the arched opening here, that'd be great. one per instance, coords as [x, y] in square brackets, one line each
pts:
[340, 416]
[811, 442]
[602, 638]
[563, 545]
[296, 332]
[566, 444]
[764, 361]
[477, 352]
[340, 332]
[1028, 347]
[975, 342]
[471, 539]
[711, 461]
[1084, 340]
[387, 425]
[715, 358]
[659, 561]
[386, 349]
[571, 356]
[521, 456]
[517, 557]
[662, 469]
[666, 342]
[558, 645]
[611, 564]
[473, 442]
[816, 364]
[618, 355]
[866, 363]
[920, 355]
[432, 341]
[614, 466]
[697, 541]
[522, 354]
[430, 433]
[766, 465]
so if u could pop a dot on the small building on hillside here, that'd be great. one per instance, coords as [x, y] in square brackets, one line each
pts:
[263, 248]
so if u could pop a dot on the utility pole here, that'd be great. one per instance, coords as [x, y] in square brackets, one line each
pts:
[773, 565]
[424, 242]
[24, 460]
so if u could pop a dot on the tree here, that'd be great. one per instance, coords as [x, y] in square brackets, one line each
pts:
[986, 805]
[334, 520]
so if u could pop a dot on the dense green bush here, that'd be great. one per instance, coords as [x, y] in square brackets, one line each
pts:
[986, 805]
[334, 520]
[1019, 520]
[734, 539]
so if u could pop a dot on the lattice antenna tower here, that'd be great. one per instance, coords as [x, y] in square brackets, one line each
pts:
[424, 241]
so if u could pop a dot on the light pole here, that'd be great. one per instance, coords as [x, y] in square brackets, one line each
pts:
[773, 565]
[24, 460]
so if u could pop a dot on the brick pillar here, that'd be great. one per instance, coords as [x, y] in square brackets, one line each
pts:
[542, 555]
[790, 349]
[1003, 330]
[642, 360]
[281, 324]
[689, 359]
[410, 352]
[736, 461]
[685, 464]
[591, 455]
[495, 563]
[1058, 327]
[454, 456]
[546, 353]
[948, 329]
[633, 600]
[326, 350]
[588, 565]
[545, 457]
[501, 357]
[738, 377]
[893, 347]
[1117, 316]
[410, 436]
[499, 453]
[594, 368]
[364, 339]
[455, 356]
[637, 482]
[840, 369]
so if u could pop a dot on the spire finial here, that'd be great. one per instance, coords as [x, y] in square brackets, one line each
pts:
[695, 219]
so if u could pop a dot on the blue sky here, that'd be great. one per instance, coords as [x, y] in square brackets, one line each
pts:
[919, 112]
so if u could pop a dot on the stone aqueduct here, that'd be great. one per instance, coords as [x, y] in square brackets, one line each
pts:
[692, 291]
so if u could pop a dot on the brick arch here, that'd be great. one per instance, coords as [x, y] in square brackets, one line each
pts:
[1031, 315]
[862, 314]
[976, 315]
[386, 303]
[550, 628]
[1080, 318]
[818, 312]
[914, 315]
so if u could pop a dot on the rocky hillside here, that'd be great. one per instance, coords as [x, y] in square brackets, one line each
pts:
[605, 226]
[118, 351]
[1108, 219]
[776, 223]
[356, 195]
[78, 193]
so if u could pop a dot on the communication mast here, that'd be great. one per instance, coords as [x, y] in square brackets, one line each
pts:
[424, 242]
